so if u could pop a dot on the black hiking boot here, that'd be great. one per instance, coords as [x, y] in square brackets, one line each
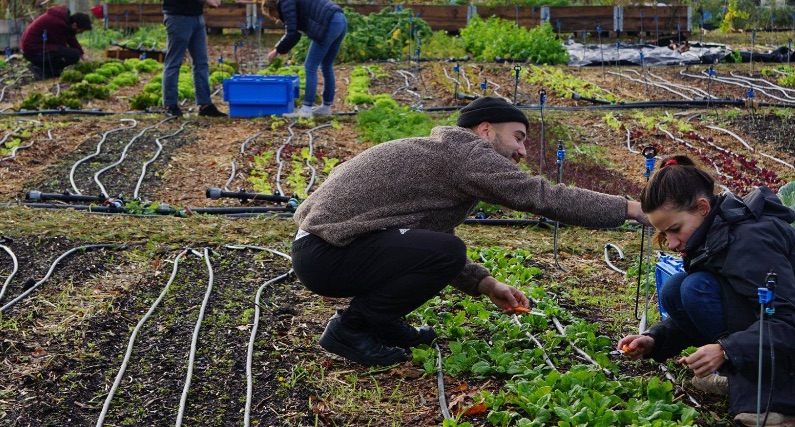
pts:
[173, 110]
[398, 333]
[359, 346]
[210, 110]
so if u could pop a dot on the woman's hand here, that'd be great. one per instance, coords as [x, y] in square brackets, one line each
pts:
[272, 55]
[214, 3]
[636, 346]
[502, 295]
[706, 360]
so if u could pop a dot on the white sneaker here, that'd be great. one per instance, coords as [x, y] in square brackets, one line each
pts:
[713, 383]
[322, 111]
[302, 113]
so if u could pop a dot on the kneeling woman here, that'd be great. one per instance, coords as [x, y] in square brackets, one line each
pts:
[729, 245]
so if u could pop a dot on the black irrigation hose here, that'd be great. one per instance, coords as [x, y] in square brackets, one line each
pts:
[167, 211]
[216, 193]
[38, 196]
[85, 248]
[56, 112]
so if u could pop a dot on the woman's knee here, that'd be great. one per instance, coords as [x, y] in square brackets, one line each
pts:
[670, 294]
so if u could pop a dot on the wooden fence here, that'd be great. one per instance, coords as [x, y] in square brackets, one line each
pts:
[611, 20]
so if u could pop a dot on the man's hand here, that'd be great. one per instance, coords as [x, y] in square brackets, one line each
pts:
[272, 55]
[501, 294]
[84, 57]
[214, 3]
[636, 346]
[634, 212]
[706, 360]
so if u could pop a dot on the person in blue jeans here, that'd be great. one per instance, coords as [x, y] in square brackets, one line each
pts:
[185, 30]
[729, 246]
[325, 24]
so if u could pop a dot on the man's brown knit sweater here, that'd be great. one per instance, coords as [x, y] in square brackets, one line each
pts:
[433, 183]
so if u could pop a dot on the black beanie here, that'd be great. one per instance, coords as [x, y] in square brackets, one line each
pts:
[492, 110]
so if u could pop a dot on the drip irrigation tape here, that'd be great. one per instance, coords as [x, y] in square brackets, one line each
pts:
[96, 153]
[131, 341]
[194, 343]
[155, 156]
[13, 272]
[84, 248]
[440, 383]
[254, 327]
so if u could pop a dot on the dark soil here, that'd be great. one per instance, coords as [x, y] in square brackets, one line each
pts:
[61, 348]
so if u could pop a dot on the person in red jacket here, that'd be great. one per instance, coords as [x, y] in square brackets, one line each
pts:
[50, 41]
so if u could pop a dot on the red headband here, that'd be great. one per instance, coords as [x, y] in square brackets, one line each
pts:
[670, 162]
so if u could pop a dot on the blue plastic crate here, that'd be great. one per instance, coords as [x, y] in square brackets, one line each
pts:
[667, 266]
[258, 96]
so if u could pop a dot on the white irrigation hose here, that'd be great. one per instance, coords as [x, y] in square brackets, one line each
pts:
[784, 91]
[547, 360]
[131, 342]
[629, 138]
[742, 141]
[195, 339]
[3, 92]
[620, 256]
[250, 352]
[671, 378]
[247, 141]
[8, 135]
[254, 327]
[466, 80]
[693, 90]
[440, 383]
[311, 153]
[52, 268]
[647, 82]
[496, 89]
[737, 82]
[688, 145]
[154, 157]
[580, 351]
[99, 148]
[124, 154]
[14, 272]
[279, 159]
[562, 332]
[234, 165]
